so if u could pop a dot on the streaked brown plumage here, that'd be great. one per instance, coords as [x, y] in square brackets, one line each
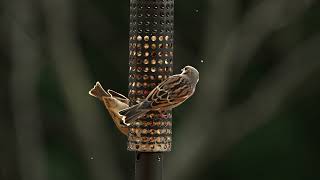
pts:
[114, 102]
[167, 95]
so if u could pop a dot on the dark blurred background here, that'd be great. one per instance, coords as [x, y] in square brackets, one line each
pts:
[255, 114]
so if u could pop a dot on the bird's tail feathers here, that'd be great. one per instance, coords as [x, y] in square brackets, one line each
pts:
[98, 91]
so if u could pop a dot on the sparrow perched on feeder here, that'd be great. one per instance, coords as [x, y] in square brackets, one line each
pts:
[114, 102]
[167, 95]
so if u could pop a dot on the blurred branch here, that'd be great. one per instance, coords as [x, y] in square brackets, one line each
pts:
[74, 79]
[267, 17]
[238, 48]
[270, 95]
[241, 43]
[25, 72]
[223, 19]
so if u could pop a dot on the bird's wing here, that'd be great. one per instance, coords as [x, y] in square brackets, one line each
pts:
[170, 92]
[118, 96]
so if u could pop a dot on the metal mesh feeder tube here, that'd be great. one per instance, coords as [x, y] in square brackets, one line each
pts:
[150, 62]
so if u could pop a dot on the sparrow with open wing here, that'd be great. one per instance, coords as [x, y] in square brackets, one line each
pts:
[114, 102]
[167, 95]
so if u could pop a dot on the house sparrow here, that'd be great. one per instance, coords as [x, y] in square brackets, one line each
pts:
[167, 95]
[114, 102]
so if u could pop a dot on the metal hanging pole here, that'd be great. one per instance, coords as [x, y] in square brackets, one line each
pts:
[148, 166]
[150, 62]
